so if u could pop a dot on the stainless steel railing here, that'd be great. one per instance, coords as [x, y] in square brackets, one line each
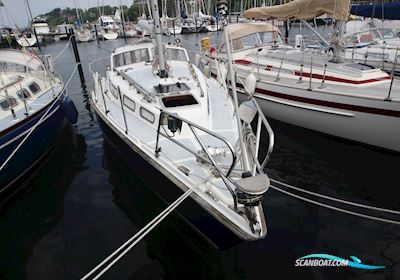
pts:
[210, 160]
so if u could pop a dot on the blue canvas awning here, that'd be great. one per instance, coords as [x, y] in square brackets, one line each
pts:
[390, 10]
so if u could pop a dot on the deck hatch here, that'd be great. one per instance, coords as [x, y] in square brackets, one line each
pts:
[179, 100]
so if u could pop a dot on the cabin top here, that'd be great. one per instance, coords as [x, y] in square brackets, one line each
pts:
[144, 52]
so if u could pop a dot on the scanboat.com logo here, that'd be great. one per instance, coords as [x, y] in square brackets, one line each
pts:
[330, 260]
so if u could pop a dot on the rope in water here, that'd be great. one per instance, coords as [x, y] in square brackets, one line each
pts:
[63, 50]
[137, 237]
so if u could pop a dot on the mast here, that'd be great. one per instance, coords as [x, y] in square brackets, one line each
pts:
[34, 29]
[178, 9]
[222, 6]
[122, 18]
[338, 43]
[157, 29]
[77, 13]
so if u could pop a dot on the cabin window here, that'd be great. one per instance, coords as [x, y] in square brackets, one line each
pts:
[34, 87]
[387, 33]
[147, 115]
[176, 54]
[368, 36]
[171, 88]
[23, 94]
[129, 103]
[270, 37]
[8, 102]
[134, 56]
[179, 100]
[114, 90]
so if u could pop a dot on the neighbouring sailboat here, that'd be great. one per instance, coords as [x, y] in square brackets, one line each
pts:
[33, 102]
[311, 90]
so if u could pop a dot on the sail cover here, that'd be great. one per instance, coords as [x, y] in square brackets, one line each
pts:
[385, 11]
[302, 9]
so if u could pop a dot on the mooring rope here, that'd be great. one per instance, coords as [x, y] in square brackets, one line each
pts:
[379, 209]
[336, 208]
[336, 199]
[63, 50]
[137, 237]
[39, 122]
[96, 60]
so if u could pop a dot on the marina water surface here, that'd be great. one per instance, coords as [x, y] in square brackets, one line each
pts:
[84, 201]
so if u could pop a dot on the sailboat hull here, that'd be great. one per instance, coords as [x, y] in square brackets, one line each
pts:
[84, 35]
[162, 186]
[25, 41]
[371, 122]
[36, 146]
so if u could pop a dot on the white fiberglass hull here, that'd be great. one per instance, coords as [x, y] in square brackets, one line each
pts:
[110, 35]
[26, 41]
[162, 164]
[174, 30]
[129, 33]
[84, 35]
[213, 28]
[366, 121]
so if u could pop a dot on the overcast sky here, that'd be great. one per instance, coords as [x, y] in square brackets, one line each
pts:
[18, 13]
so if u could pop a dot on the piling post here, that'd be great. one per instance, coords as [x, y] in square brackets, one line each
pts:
[76, 53]
[97, 36]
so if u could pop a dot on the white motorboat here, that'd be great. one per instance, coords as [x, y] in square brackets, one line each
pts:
[41, 26]
[348, 100]
[108, 28]
[184, 126]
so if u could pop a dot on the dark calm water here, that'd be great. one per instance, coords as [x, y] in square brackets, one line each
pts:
[84, 202]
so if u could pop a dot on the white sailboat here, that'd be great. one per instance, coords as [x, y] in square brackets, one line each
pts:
[33, 110]
[310, 90]
[370, 43]
[186, 128]
[82, 34]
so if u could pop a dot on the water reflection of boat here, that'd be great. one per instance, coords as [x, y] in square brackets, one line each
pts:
[38, 207]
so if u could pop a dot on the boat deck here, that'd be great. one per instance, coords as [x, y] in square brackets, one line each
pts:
[350, 79]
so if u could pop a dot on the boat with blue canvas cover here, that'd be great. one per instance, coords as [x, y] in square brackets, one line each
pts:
[33, 105]
[389, 11]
